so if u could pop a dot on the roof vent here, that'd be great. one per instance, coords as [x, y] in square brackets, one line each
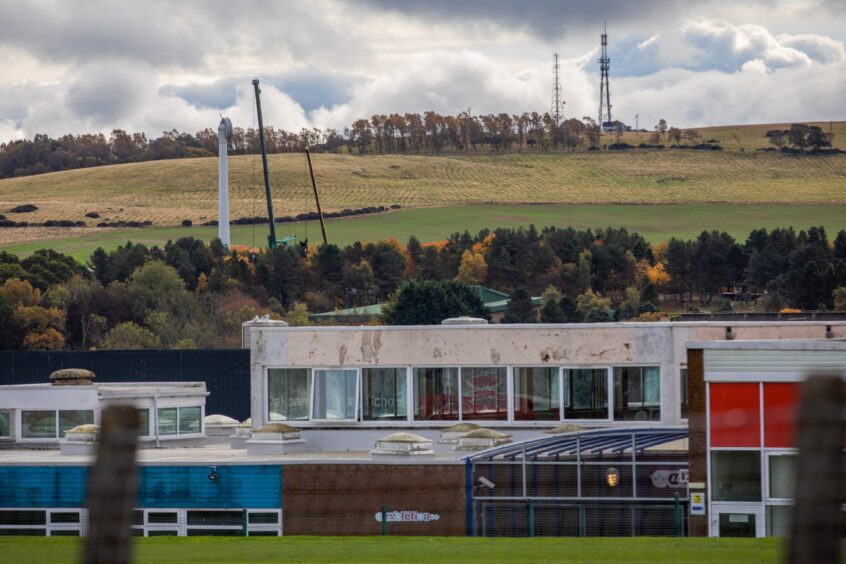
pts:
[72, 377]
[464, 320]
[263, 321]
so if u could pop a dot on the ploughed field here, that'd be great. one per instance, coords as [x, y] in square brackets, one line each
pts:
[168, 192]
[29, 550]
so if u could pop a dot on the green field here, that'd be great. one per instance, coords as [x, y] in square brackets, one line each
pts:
[27, 550]
[656, 223]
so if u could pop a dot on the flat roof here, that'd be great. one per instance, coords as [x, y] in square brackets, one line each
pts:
[220, 454]
[540, 326]
[120, 388]
[772, 344]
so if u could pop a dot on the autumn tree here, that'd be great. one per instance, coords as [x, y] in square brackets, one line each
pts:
[473, 268]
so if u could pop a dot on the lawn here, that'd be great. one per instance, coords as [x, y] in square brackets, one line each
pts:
[29, 550]
[656, 223]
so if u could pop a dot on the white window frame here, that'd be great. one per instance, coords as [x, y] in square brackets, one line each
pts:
[609, 390]
[512, 395]
[660, 404]
[178, 408]
[409, 393]
[18, 432]
[357, 407]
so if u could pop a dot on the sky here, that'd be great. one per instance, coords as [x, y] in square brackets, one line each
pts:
[152, 66]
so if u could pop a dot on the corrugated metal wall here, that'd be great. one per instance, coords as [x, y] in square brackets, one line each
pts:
[253, 486]
[226, 372]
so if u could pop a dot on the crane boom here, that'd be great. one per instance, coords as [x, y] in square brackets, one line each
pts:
[271, 238]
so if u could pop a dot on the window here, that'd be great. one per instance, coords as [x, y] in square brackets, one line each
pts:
[180, 420]
[484, 393]
[735, 475]
[144, 422]
[637, 393]
[70, 419]
[585, 393]
[167, 420]
[42, 424]
[5, 427]
[334, 394]
[384, 396]
[435, 394]
[683, 391]
[782, 471]
[288, 393]
[190, 420]
[536, 394]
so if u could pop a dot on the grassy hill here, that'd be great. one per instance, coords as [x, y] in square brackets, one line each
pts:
[168, 192]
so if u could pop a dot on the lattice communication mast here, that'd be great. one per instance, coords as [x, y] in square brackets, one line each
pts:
[557, 102]
[604, 90]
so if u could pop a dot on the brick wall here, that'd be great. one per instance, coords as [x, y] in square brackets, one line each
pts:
[698, 457]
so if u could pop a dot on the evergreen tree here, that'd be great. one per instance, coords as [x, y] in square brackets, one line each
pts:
[520, 308]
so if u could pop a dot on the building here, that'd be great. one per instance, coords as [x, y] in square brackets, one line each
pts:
[345, 385]
[41, 414]
[496, 302]
[743, 401]
[589, 422]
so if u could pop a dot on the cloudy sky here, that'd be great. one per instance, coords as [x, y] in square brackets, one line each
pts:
[97, 65]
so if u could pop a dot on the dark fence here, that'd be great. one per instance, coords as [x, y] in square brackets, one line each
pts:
[226, 372]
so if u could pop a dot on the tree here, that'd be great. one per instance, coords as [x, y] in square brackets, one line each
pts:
[49, 340]
[426, 302]
[674, 134]
[593, 307]
[158, 286]
[520, 308]
[661, 127]
[630, 307]
[840, 299]
[473, 268]
[19, 292]
[130, 336]
[551, 311]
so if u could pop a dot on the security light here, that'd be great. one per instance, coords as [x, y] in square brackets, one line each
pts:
[213, 474]
[487, 483]
[612, 477]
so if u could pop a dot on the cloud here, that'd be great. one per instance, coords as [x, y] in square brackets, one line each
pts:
[551, 19]
[452, 81]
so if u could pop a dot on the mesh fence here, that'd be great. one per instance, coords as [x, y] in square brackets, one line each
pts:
[530, 519]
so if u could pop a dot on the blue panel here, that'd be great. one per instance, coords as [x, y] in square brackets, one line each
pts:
[159, 486]
[42, 486]
[189, 486]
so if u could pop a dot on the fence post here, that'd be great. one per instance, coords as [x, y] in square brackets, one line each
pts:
[244, 522]
[112, 486]
[817, 515]
[384, 521]
[530, 517]
[468, 487]
[677, 514]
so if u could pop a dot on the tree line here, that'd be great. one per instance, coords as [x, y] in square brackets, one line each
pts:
[192, 294]
[430, 133]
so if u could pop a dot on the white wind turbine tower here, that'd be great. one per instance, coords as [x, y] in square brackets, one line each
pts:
[224, 134]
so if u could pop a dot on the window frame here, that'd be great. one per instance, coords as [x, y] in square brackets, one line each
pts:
[641, 404]
[512, 393]
[609, 391]
[356, 395]
[18, 433]
[406, 372]
[179, 408]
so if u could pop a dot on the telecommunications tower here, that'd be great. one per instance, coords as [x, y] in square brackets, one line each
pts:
[557, 102]
[604, 91]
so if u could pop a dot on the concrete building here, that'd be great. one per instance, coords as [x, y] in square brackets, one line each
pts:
[345, 385]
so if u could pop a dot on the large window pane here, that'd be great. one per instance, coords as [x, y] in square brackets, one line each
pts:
[5, 427]
[189, 420]
[782, 475]
[484, 393]
[736, 475]
[38, 424]
[334, 394]
[536, 394]
[585, 393]
[70, 419]
[288, 394]
[435, 393]
[637, 393]
[167, 420]
[383, 392]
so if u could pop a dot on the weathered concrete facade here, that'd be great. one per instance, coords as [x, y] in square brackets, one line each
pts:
[611, 346]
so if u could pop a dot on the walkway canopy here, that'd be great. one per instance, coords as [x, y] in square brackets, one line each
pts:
[603, 482]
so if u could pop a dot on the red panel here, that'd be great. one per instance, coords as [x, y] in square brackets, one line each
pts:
[735, 415]
[780, 404]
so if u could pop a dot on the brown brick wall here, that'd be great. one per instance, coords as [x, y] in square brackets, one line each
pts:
[698, 457]
[343, 499]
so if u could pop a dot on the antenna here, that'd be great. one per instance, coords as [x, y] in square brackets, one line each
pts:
[604, 90]
[557, 102]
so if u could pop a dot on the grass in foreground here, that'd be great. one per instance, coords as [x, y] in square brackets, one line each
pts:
[31, 550]
[655, 223]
